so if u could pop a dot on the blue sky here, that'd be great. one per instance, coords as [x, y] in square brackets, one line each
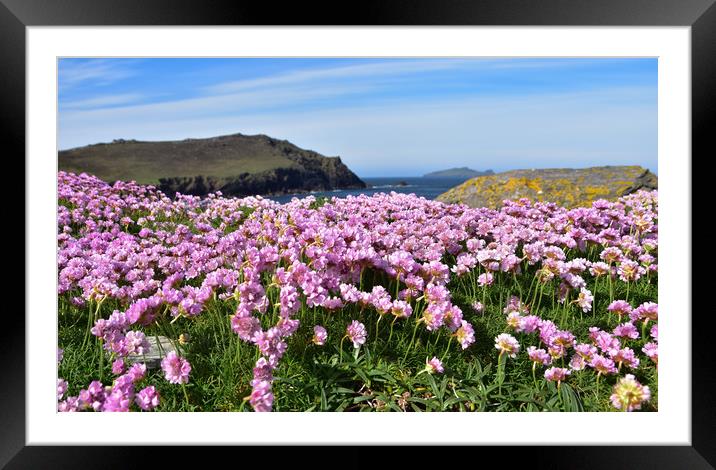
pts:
[384, 117]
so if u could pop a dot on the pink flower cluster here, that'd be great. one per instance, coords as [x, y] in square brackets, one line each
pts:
[116, 397]
[605, 353]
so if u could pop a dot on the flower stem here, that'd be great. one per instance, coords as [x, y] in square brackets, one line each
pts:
[186, 396]
[448, 348]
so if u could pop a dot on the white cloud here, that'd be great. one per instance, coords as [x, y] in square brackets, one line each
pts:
[72, 73]
[102, 101]
[314, 77]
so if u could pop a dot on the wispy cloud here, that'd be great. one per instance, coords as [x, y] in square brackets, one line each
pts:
[103, 101]
[72, 72]
[350, 72]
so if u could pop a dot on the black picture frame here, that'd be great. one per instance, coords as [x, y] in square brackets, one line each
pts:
[16, 15]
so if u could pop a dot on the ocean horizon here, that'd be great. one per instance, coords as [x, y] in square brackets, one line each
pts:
[427, 187]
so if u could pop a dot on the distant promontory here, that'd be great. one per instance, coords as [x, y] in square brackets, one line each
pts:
[463, 172]
[237, 165]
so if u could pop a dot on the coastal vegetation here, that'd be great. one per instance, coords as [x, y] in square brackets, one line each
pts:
[383, 303]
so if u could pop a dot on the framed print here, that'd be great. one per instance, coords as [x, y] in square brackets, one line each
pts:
[435, 212]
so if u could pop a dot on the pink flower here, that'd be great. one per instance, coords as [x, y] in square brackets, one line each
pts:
[506, 343]
[319, 335]
[61, 388]
[556, 374]
[137, 372]
[625, 356]
[648, 311]
[626, 330]
[584, 299]
[356, 332]
[465, 334]
[629, 394]
[652, 351]
[434, 365]
[513, 320]
[528, 324]
[620, 308]
[261, 396]
[176, 369]
[118, 367]
[603, 365]
[148, 398]
[539, 355]
[485, 279]
[401, 309]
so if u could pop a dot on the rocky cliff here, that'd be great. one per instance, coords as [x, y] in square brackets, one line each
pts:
[566, 187]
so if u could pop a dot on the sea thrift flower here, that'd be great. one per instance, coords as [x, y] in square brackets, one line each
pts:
[652, 351]
[611, 254]
[356, 333]
[629, 394]
[147, 398]
[513, 320]
[61, 388]
[434, 365]
[625, 356]
[319, 335]
[485, 279]
[117, 400]
[514, 304]
[401, 309]
[478, 307]
[599, 269]
[629, 270]
[556, 374]
[465, 334]
[60, 355]
[176, 369]
[603, 340]
[584, 300]
[619, 308]
[654, 332]
[506, 343]
[245, 326]
[603, 365]
[587, 351]
[577, 362]
[261, 397]
[528, 324]
[648, 311]
[134, 343]
[538, 356]
[118, 367]
[626, 330]
[138, 371]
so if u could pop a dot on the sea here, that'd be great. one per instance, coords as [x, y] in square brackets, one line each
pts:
[429, 188]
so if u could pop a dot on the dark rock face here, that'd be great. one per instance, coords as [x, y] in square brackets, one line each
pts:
[270, 182]
[236, 165]
[563, 186]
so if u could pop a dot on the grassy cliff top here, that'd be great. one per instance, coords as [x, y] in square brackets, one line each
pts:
[147, 162]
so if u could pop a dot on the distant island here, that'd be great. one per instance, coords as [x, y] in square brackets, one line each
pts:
[463, 172]
[237, 165]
